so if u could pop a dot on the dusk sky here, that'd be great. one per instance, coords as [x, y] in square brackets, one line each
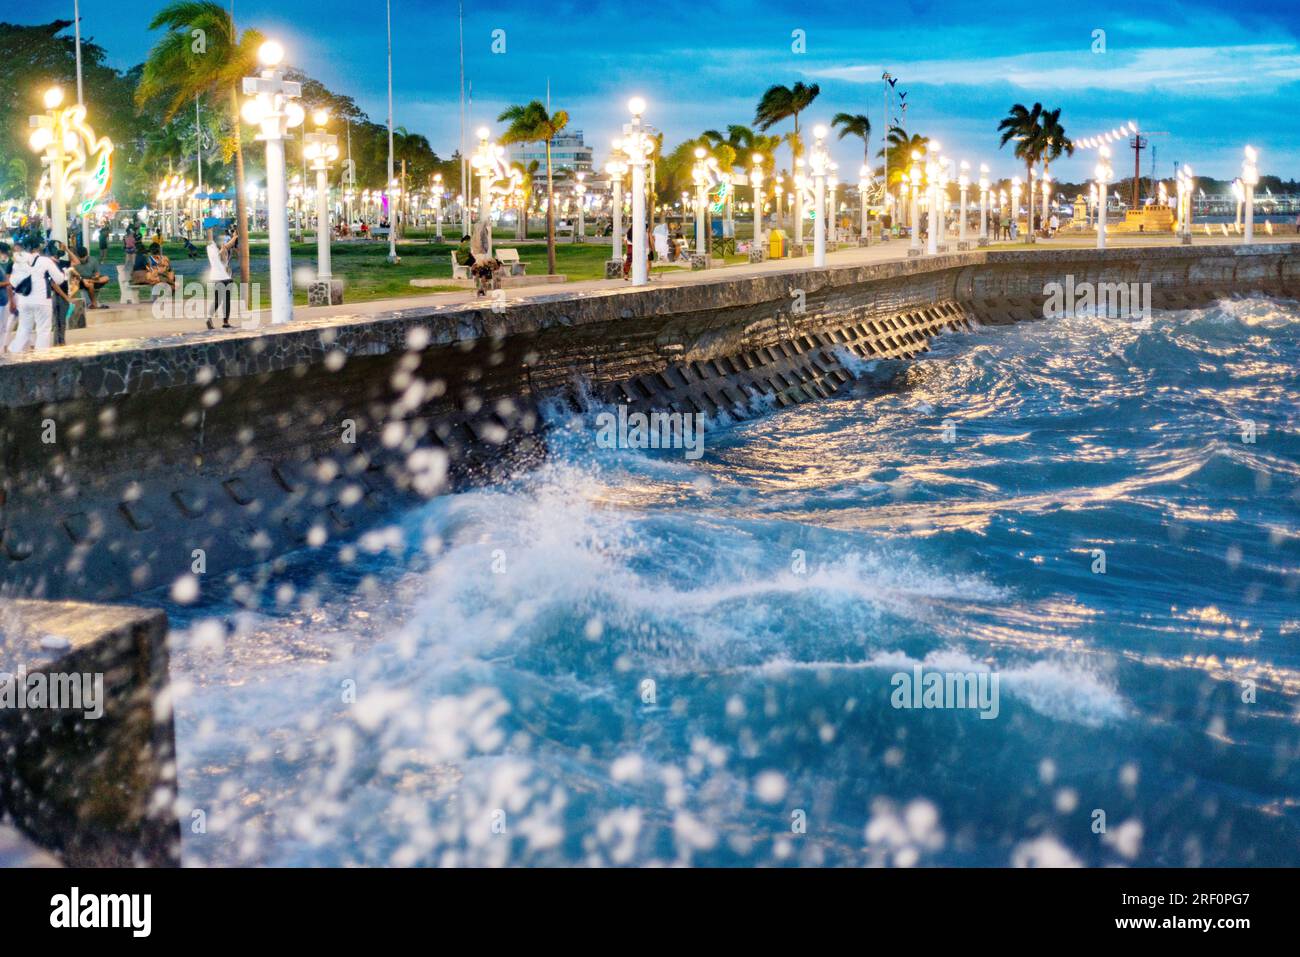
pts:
[1213, 76]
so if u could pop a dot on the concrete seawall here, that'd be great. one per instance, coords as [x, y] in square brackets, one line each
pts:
[126, 466]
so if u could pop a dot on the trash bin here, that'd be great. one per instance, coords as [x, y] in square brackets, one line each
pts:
[777, 244]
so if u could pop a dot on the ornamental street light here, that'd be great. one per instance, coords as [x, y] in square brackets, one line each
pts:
[704, 174]
[1186, 186]
[75, 158]
[984, 205]
[1015, 200]
[1047, 197]
[963, 184]
[864, 184]
[832, 207]
[321, 149]
[273, 108]
[1239, 194]
[436, 193]
[933, 170]
[912, 178]
[580, 194]
[638, 145]
[818, 163]
[1102, 174]
[496, 178]
[616, 168]
[1249, 180]
[756, 183]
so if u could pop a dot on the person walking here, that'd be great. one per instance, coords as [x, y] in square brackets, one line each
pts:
[32, 278]
[219, 276]
[103, 243]
[129, 244]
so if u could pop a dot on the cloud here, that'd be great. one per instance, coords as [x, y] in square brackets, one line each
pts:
[1186, 71]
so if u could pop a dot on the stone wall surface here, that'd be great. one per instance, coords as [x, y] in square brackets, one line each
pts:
[126, 466]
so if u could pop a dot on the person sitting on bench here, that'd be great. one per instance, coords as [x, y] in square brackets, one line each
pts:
[154, 269]
[88, 275]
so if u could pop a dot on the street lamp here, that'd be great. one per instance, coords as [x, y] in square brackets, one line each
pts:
[321, 149]
[1047, 197]
[704, 176]
[1186, 186]
[75, 156]
[984, 205]
[580, 192]
[832, 206]
[756, 183]
[963, 184]
[1015, 200]
[864, 184]
[436, 192]
[1102, 173]
[1239, 194]
[495, 178]
[638, 146]
[1249, 180]
[933, 170]
[272, 107]
[616, 168]
[912, 178]
[818, 161]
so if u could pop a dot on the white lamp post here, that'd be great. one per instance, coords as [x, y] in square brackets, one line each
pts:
[436, 193]
[272, 107]
[864, 185]
[48, 139]
[580, 192]
[703, 174]
[913, 179]
[637, 145]
[756, 183]
[801, 186]
[1031, 199]
[321, 149]
[984, 205]
[1239, 194]
[1015, 200]
[1102, 173]
[1186, 187]
[818, 161]
[617, 169]
[932, 172]
[963, 184]
[1249, 180]
[1047, 198]
[495, 178]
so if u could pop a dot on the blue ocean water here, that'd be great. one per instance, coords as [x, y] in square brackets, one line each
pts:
[626, 657]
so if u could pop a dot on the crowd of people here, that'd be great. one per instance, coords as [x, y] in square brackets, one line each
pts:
[42, 282]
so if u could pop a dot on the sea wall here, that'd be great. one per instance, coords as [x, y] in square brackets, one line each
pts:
[126, 466]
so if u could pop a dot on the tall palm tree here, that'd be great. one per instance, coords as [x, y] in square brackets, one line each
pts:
[531, 123]
[1025, 127]
[855, 124]
[177, 70]
[783, 102]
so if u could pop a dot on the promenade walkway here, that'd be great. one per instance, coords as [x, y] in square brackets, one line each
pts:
[126, 326]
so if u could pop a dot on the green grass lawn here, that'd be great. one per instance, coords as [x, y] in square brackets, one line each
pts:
[367, 274]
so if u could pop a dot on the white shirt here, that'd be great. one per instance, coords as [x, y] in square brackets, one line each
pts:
[39, 268]
[220, 271]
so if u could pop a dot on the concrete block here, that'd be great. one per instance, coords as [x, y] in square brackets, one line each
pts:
[327, 292]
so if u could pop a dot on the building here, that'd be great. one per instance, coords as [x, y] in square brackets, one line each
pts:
[567, 152]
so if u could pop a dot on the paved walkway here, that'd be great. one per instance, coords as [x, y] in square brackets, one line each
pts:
[125, 326]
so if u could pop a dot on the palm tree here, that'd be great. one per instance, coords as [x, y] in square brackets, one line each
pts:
[900, 145]
[855, 124]
[177, 70]
[783, 102]
[533, 124]
[1056, 143]
[1024, 126]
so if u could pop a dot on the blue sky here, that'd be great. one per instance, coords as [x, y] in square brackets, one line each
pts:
[1213, 76]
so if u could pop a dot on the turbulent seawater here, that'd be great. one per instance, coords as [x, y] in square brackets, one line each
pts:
[630, 658]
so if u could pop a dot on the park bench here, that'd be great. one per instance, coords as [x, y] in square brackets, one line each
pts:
[457, 270]
[128, 291]
[379, 232]
[510, 258]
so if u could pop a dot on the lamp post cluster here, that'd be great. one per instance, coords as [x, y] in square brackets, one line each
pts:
[704, 174]
[437, 192]
[171, 190]
[273, 108]
[616, 169]
[756, 184]
[819, 165]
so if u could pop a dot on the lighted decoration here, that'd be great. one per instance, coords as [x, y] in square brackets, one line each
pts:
[497, 179]
[81, 160]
